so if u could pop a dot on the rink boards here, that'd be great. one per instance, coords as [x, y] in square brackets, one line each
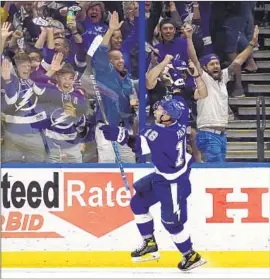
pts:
[78, 216]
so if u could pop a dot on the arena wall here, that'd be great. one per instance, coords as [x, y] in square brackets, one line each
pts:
[89, 222]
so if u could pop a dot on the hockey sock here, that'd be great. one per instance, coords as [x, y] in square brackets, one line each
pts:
[180, 236]
[145, 224]
[143, 217]
[185, 246]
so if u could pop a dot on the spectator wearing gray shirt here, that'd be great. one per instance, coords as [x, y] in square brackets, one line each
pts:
[212, 118]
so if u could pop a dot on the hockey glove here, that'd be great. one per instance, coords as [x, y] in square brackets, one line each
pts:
[114, 133]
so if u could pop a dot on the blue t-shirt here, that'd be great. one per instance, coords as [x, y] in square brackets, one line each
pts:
[177, 48]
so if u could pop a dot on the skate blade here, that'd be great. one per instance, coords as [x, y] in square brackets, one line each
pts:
[147, 257]
[195, 265]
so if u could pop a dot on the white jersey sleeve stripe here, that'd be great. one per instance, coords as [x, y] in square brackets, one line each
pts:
[144, 146]
[12, 100]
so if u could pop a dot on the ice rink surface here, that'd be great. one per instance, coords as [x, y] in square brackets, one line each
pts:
[135, 273]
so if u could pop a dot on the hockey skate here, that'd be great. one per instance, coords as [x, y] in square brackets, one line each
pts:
[191, 261]
[148, 251]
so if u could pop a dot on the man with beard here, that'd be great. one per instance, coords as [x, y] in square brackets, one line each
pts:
[212, 118]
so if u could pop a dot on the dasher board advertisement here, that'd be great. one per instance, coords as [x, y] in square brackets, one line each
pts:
[81, 217]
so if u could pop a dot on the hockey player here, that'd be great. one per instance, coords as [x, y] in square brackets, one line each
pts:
[169, 184]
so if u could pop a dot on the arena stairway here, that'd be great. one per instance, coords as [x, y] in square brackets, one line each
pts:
[242, 131]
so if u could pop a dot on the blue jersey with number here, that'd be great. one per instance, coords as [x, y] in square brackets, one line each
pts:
[167, 146]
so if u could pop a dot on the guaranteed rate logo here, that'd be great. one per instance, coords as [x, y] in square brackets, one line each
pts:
[22, 206]
[17, 195]
[95, 202]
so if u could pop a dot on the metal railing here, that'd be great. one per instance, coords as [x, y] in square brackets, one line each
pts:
[261, 124]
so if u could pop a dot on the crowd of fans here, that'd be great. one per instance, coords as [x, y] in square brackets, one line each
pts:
[56, 54]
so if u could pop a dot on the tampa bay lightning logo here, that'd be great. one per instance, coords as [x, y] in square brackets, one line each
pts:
[31, 94]
[99, 29]
[61, 120]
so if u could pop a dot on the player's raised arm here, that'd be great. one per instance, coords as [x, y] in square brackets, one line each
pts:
[137, 143]
[166, 113]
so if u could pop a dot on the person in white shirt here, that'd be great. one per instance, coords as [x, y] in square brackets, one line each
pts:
[212, 118]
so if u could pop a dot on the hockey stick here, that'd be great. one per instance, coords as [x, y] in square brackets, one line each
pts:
[91, 52]
[114, 144]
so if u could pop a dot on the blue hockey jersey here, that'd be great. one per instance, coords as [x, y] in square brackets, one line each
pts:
[167, 146]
